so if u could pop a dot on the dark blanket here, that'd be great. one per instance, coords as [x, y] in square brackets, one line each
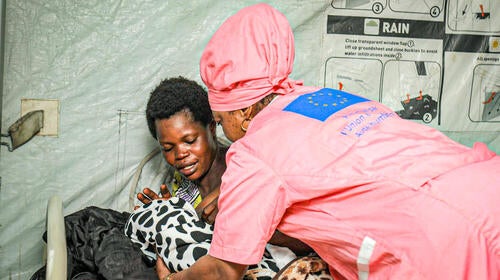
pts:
[99, 249]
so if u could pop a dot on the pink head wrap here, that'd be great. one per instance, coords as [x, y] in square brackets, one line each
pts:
[248, 57]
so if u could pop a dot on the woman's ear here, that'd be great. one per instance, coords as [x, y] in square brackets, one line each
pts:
[248, 112]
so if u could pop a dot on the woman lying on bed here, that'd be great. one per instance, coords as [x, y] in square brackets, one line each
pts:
[179, 117]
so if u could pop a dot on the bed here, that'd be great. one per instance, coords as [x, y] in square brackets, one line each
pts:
[56, 257]
[91, 244]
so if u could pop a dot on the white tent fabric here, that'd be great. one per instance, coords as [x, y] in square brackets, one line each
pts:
[100, 60]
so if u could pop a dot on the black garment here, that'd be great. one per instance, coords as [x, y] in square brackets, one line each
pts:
[98, 248]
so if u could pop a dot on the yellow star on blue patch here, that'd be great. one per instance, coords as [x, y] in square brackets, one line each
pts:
[322, 104]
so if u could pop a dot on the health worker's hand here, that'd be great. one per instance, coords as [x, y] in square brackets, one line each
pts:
[161, 268]
[209, 212]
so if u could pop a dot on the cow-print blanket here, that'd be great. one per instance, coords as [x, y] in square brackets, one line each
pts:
[172, 229]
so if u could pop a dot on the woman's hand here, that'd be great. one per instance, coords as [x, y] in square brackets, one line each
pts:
[147, 195]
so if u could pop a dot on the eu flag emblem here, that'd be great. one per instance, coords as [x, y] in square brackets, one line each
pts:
[322, 104]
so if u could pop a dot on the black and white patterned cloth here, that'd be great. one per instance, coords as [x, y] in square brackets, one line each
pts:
[172, 229]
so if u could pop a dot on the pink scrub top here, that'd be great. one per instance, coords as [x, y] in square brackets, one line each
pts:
[376, 196]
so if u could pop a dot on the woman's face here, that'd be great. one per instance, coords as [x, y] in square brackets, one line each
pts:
[231, 123]
[187, 145]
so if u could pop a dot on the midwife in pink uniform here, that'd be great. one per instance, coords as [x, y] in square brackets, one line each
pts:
[376, 196]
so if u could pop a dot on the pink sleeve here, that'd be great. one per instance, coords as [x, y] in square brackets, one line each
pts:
[251, 204]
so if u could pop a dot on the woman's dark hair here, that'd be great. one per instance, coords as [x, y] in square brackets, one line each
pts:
[173, 95]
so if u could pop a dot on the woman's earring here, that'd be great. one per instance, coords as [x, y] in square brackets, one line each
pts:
[244, 129]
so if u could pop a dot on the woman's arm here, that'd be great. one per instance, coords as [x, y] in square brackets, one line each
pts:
[298, 247]
[207, 267]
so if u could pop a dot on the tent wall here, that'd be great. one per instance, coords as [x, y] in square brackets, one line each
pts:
[100, 60]
[2, 45]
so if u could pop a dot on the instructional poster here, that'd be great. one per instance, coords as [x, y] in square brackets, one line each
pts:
[431, 61]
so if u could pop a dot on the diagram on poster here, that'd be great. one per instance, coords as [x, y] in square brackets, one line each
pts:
[417, 88]
[376, 6]
[485, 94]
[474, 15]
[354, 75]
[430, 7]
